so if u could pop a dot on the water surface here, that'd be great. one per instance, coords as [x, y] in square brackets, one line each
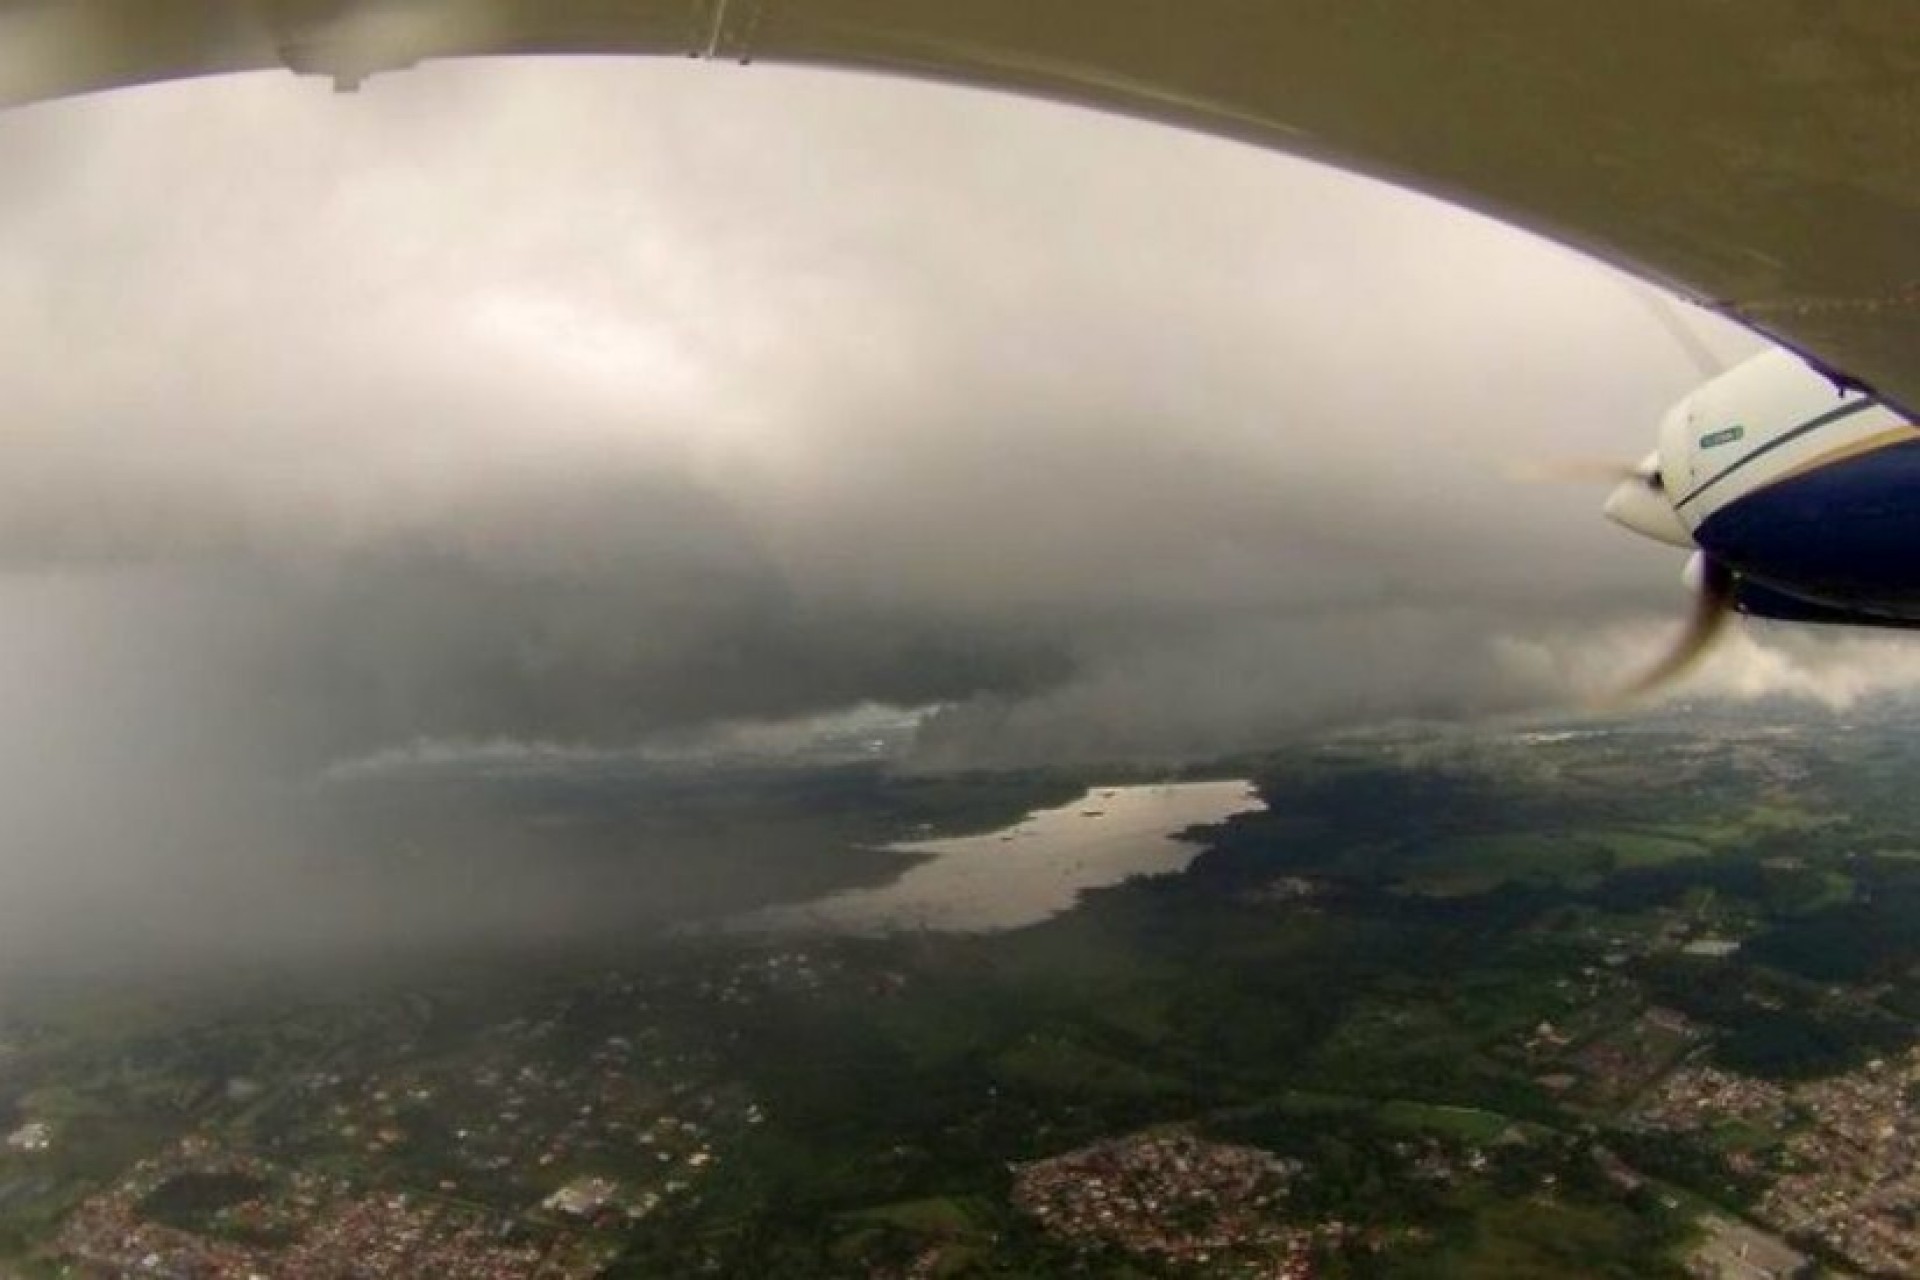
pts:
[1034, 869]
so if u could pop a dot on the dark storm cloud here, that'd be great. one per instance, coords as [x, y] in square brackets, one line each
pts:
[555, 409]
[588, 403]
[581, 403]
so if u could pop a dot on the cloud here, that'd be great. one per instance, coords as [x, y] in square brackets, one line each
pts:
[1820, 669]
[594, 400]
[596, 404]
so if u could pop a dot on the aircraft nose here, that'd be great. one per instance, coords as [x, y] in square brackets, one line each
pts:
[1639, 504]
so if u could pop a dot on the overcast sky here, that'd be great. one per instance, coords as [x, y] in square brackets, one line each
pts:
[583, 402]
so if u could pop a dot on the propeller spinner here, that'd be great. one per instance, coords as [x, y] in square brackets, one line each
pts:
[1641, 503]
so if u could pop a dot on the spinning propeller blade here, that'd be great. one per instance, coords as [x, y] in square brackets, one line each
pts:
[1712, 604]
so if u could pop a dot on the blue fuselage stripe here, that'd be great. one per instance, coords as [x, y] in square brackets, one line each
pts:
[1788, 437]
[1844, 536]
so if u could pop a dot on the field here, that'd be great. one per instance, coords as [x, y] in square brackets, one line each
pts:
[1436, 976]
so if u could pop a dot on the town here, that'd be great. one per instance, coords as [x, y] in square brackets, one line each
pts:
[1327, 1049]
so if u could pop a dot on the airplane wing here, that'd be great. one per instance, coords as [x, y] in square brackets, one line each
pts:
[1760, 158]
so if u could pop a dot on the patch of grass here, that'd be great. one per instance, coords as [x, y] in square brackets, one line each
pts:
[1540, 1236]
[1467, 1123]
[1055, 1062]
[1783, 817]
[1309, 1102]
[1741, 1135]
[1643, 849]
[1467, 865]
[934, 1216]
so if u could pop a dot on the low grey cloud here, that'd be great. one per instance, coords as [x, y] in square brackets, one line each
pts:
[592, 403]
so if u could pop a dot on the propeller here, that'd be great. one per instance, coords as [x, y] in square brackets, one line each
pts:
[1715, 589]
[1641, 502]
[1665, 310]
[1573, 471]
